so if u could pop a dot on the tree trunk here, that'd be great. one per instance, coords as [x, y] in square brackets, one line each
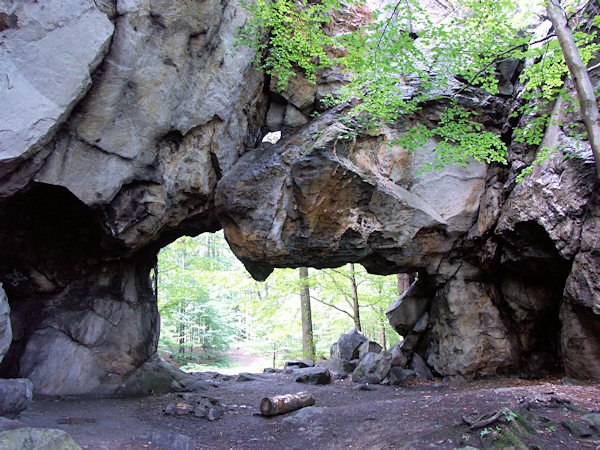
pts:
[355, 305]
[308, 345]
[585, 89]
[271, 406]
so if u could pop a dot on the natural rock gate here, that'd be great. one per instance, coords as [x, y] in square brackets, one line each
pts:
[148, 127]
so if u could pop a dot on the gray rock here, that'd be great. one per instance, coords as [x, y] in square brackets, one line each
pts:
[303, 417]
[49, 73]
[410, 307]
[421, 370]
[398, 376]
[170, 440]
[409, 343]
[398, 357]
[312, 375]
[9, 424]
[5, 328]
[593, 420]
[369, 347]
[298, 364]
[243, 377]
[348, 345]
[338, 365]
[215, 413]
[373, 368]
[15, 396]
[37, 439]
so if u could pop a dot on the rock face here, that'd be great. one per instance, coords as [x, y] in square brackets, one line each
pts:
[128, 124]
[5, 328]
[118, 121]
[332, 198]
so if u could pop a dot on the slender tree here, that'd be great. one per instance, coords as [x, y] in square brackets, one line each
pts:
[308, 344]
[355, 304]
[578, 70]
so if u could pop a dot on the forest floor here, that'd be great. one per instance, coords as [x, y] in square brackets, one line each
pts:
[544, 414]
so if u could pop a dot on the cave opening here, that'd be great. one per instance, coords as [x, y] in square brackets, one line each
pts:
[215, 316]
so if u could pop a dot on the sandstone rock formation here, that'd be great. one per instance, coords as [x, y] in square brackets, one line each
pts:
[127, 124]
[119, 118]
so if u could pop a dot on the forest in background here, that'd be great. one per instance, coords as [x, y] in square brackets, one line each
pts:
[208, 304]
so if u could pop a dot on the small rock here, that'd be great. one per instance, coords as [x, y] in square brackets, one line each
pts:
[200, 411]
[298, 364]
[15, 396]
[242, 377]
[170, 440]
[170, 409]
[593, 420]
[409, 343]
[339, 376]
[313, 375]
[272, 370]
[577, 429]
[37, 438]
[399, 376]
[421, 370]
[568, 381]
[215, 413]
[364, 387]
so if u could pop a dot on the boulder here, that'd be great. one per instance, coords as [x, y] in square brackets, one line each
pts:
[373, 368]
[15, 396]
[312, 375]
[398, 376]
[49, 73]
[420, 369]
[411, 307]
[348, 345]
[37, 439]
[298, 364]
[338, 365]
[368, 347]
[5, 328]
[243, 377]
[398, 357]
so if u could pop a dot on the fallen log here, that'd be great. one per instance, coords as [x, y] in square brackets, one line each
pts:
[272, 406]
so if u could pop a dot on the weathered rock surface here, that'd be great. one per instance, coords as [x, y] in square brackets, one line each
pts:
[332, 198]
[369, 347]
[348, 345]
[5, 328]
[398, 376]
[373, 368]
[16, 395]
[338, 365]
[37, 439]
[47, 61]
[145, 128]
[312, 375]
[110, 166]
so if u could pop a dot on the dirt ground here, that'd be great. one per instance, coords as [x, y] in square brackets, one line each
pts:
[538, 414]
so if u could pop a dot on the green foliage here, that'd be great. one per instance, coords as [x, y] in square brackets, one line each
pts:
[393, 72]
[208, 302]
